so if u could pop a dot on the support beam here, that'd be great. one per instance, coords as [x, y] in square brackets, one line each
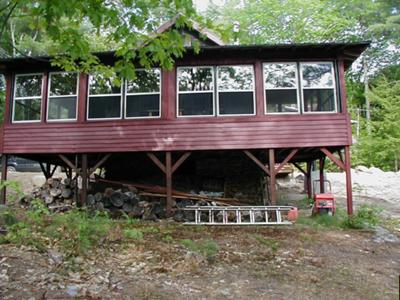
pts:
[44, 170]
[349, 190]
[168, 175]
[300, 168]
[157, 162]
[84, 174]
[53, 171]
[321, 175]
[259, 163]
[333, 158]
[286, 160]
[309, 180]
[69, 163]
[99, 163]
[3, 191]
[180, 161]
[272, 173]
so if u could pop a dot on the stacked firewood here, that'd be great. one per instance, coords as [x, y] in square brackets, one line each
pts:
[56, 193]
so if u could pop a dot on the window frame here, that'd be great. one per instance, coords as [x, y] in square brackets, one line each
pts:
[217, 91]
[334, 87]
[196, 92]
[75, 95]
[102, 95]
[126, 94]
[297, 88]
[27, 98]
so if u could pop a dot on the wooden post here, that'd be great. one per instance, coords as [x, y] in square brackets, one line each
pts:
[168, 173]
[84, 174]
[3, 178]
[321, 175]
[309, 179]
[272, 176]
[349, 191]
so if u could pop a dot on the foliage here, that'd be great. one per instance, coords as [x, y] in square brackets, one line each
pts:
[207, 247]
[270, 243]
[133, 233]
[365, 216]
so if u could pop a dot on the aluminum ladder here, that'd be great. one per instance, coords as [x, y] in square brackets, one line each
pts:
[239, 215]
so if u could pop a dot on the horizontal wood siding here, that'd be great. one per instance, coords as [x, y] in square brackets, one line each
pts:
[179, 134]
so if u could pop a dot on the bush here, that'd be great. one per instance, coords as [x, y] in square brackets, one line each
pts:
[366, 216]
[209, 248]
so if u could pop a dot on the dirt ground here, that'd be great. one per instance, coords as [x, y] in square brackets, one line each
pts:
[292, 262]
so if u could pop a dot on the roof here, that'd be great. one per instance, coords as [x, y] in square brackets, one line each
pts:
[210, 36]
[348, 51]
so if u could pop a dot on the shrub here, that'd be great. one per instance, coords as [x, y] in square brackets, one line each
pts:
[209, 248]
[366, 216]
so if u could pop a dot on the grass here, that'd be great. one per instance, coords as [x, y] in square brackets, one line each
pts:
[270, 243]
[207, 247]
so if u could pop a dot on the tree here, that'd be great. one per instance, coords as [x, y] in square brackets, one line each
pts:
[71, 30]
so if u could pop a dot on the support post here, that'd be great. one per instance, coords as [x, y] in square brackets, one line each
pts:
[168, 176]
[272, 173]
[349, 191]
[84, 174]
[321, 175]
[309, 182]
[3, 178]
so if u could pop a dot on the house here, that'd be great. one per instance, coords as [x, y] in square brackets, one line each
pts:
[271, 104]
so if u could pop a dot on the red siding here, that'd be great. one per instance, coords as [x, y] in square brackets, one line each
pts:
[179, 134]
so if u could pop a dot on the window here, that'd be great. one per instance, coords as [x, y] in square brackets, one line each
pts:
[318, 87]
[104, 98]
[195, 91]
[280, 83]
[142, 99]
[27, 98]
[235, 90]
[63, 94]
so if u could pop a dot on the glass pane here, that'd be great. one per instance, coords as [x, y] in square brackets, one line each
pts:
[146, 81]
[62, 108]
[105, 107]
[235, 78]
[281, 101]
[28, 85]
[99, 85]
[143, 106]
[236, 103]
[27, 110]
[317, 75]
[280, 75]
[195, 79]
[195, 104]
[319, 100]
[63, 84]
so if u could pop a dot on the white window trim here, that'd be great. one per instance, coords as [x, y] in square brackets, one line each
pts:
[296, 87]
[62, 96]
[318, 88]
[27, 98]
[144, 93]
[102, 95]
[238, 91]
[212, 91]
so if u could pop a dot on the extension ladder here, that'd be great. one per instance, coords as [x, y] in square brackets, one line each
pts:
[240, 215]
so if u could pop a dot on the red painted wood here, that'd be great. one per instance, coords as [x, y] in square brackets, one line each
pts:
[7, 108]
[272, 178]
[349, 191]
[259, 82]
[342, 85]
[43, 115]
[165, 98]
[172, 135]
[82, 97]
[172, 94]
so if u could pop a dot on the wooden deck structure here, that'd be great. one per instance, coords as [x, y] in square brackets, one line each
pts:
[268, 140]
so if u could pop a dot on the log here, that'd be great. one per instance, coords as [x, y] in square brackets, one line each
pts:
[66, 193]
[98, 197]
[90, 200]
[55, 192]
[117, 199]
[127, 207]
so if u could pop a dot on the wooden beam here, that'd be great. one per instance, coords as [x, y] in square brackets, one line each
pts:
[299, 168]
[341, 156]
[3, 192]
[334, 158]
[82, 200]
[168, 173]
[99, 163]
[44, 170]
[68, 162]
[321, 175]
[157, 162]
[53, 171]
[180, 161]
[255, 159]
[272, 173]
[286, 160]
[349, 190]
[308, 177]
